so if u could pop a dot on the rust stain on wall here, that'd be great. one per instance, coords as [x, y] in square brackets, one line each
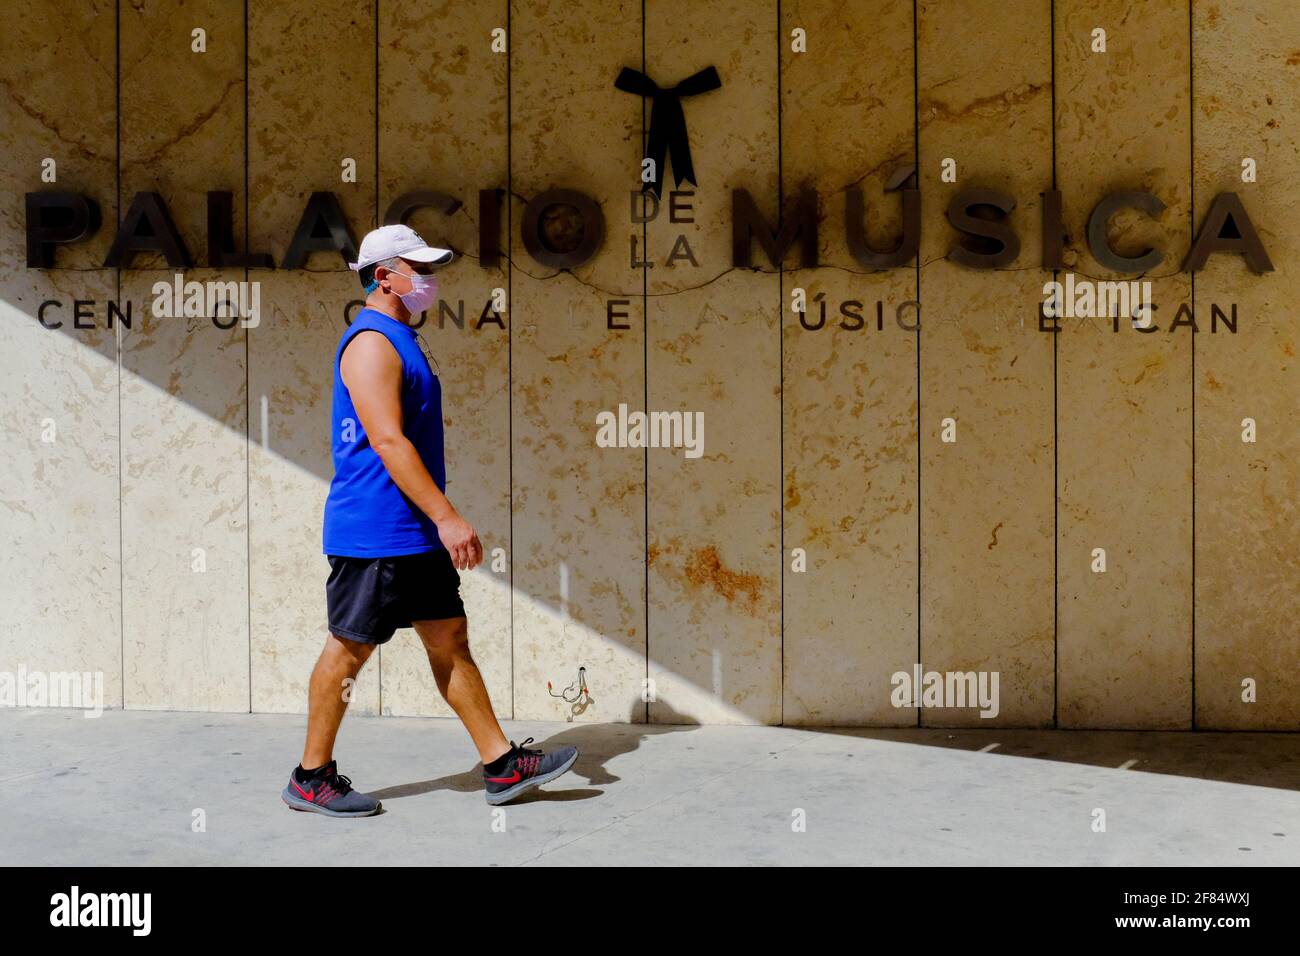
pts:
[705, 568]
[792, 496]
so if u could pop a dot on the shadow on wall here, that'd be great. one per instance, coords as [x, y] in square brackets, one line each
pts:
[272, 383]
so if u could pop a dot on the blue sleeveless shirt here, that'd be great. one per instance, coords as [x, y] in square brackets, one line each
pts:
[366, 514]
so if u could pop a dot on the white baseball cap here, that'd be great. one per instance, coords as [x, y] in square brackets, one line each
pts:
[397, 242]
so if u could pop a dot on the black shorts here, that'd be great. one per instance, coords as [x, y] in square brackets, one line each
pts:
[370, 598]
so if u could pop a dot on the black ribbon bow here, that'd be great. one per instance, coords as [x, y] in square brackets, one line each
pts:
[667, 121]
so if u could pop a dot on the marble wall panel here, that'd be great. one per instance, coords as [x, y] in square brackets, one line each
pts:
[579, 555]
[1124, 398]
[714, 349]
[987, 498]
[1246, 64]
[60, 576]
[849, 386]
[183, 403]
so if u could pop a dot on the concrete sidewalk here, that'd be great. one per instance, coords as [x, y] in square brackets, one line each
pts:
[122, 790]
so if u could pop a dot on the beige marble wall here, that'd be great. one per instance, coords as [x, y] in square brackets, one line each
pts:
[642, 563]
[987, 501]
[578, 511]
[1124, 413]
[713, 346]
[183, 407]
[849, 396]
[311, 105]
[1246, 60]
[60, 572]
[442, 99]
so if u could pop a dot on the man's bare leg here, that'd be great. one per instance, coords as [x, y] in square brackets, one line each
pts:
[460, 683]
[326, 705]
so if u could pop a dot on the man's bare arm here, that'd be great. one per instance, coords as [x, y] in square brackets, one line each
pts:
[372, 372]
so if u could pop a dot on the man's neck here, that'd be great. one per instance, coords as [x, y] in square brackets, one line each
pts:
[390, 305]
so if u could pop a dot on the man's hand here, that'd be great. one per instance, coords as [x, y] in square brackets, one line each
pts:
[460, 540]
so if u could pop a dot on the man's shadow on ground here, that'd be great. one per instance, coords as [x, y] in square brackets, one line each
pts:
[597, 744]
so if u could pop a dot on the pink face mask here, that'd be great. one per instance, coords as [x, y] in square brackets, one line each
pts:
[424, 290]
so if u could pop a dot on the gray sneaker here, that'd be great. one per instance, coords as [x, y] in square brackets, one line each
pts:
[524, 770]
[330, 793]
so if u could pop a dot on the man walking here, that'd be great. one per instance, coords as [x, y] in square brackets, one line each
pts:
[393, 539]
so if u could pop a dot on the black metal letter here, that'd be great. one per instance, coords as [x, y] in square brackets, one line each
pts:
[996, 243]
[221, 240]
[322, 228]
[1099, 244]
[147, 227]
[747, 223]
[54, 218]
[593, 228]
[856, 231]
[1227, 228]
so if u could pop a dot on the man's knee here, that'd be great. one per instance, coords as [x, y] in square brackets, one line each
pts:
[351, 653]
[448, 636]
